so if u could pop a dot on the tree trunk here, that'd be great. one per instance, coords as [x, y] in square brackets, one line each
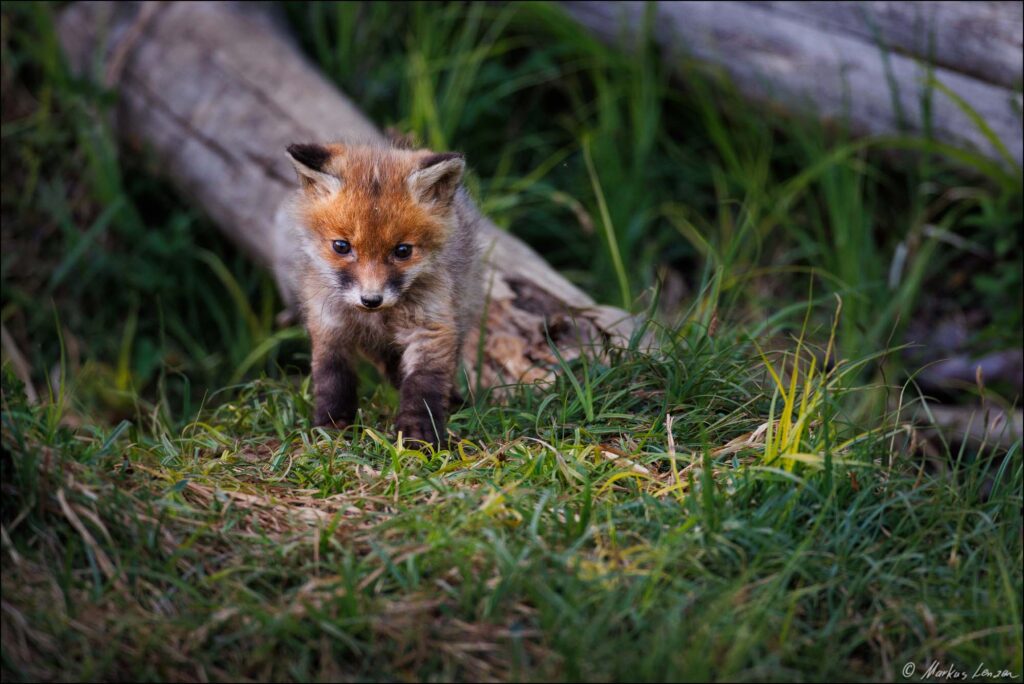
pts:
[218, 90]
[831, 54]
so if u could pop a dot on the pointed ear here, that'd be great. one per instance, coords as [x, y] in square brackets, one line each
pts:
[309, 162]
[437, 177]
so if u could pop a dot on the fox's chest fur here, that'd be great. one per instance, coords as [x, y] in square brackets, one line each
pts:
[374, 334]
[386, 263]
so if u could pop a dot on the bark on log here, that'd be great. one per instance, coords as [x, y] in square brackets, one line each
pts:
[979, 39]
[972, 424]
[828, 54]
[218, 90]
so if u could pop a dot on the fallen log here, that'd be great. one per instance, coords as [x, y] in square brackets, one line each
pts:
[975, 425]
[217, 91]
[830, 55]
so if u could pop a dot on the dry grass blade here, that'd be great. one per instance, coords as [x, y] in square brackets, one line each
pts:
[751, 440]
[102, 559]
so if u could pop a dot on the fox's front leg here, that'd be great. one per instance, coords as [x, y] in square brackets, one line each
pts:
[393, 370]
[334, 385]
[427, 372]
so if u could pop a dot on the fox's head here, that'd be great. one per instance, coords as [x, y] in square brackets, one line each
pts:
[374, 218]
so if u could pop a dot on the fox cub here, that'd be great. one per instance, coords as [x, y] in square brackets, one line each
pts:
[386, 265]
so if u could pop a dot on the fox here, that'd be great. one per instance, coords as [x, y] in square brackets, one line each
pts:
[386, 266]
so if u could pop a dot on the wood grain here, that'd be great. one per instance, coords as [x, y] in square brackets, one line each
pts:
[823, 58]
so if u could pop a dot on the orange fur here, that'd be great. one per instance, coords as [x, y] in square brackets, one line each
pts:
[373, 210]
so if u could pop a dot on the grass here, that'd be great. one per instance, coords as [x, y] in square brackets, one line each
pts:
[743, 502]
[549, 544]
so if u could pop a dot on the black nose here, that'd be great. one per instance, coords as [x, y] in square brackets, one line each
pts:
[371, 301]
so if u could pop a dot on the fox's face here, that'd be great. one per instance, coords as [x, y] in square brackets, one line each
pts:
[375, 217]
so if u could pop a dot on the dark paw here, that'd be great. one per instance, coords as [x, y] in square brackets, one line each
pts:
[421, 428]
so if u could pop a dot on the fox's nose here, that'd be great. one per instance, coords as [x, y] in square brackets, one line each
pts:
[371, 301]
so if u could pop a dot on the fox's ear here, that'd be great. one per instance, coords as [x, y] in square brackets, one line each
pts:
[437, 177]
[309, 162]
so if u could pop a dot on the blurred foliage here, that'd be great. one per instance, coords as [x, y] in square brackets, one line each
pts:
[149, 297]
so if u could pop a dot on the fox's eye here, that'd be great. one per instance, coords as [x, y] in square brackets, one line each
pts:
[341, 246]
[403, 251]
